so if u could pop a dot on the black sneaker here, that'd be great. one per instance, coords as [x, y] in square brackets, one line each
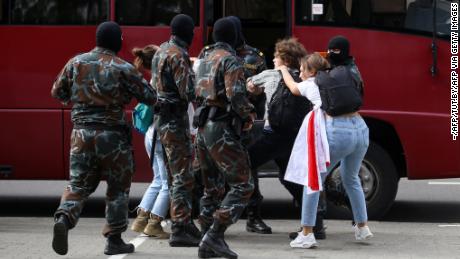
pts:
[257, 225]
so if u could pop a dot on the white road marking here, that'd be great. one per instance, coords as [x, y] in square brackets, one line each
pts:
[449, 225]
[444, 183]
[136, 242]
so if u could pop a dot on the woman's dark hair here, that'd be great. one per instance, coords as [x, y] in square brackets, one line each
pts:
[290, 51]
[143, 56]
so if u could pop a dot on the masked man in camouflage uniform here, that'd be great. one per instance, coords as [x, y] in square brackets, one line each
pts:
[174, 80]
[99, 84]
[223, 113]
[253, 63]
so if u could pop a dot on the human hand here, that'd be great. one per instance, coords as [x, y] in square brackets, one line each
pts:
[253, 89]
[193, 59]
[249, 122]
[281, 67]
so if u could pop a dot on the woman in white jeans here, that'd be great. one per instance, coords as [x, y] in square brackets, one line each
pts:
[155, 203]
[348, 138]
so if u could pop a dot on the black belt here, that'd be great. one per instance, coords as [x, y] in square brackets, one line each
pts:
[100, 126]
[168, 108]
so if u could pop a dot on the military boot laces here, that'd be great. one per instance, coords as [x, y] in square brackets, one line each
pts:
[184, 235]
[255, 222]
[60, 232]
[214, 245]
[116, 245]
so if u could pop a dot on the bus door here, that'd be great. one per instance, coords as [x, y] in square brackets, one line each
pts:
[263, 22]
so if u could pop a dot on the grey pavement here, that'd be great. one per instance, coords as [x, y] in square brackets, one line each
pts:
[31, 238]
[423, 223]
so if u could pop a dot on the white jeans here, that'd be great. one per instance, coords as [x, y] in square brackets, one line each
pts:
[156, 197]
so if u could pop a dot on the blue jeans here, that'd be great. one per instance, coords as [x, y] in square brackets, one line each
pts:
[156, 197]
[348, 139]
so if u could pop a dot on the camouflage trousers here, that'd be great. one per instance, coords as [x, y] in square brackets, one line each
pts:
[177, 144]
[95, 154]
[223, 159]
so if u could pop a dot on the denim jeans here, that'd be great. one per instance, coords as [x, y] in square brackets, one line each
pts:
[156, 197]
[348, 139]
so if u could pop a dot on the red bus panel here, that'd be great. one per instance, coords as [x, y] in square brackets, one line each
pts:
[400, 90]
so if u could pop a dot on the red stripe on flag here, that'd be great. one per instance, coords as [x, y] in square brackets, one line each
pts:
[312, 168]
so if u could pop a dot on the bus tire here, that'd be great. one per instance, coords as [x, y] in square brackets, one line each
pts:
[379, 179]
[381, 193]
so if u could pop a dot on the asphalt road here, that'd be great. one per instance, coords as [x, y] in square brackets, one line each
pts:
[423, 223]
[433, 201]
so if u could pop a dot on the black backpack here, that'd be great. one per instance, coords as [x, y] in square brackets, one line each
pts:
[340, 90]
[285, 110]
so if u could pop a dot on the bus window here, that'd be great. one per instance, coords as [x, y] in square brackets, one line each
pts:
[154, 12]
[409, 15]
[3, 11]
[261, 30]
[58, 12]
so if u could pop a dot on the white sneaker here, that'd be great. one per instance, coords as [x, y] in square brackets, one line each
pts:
[362, 233]
[302, 241]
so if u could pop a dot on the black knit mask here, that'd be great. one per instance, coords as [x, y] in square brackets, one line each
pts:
[224, 31]
[338, 43]
[239, 30]
[108, 35]
[182, 26]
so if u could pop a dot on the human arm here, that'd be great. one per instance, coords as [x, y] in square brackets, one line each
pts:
[289, 81]
[138, 86]
[184, 77]
[62, 85]
[235, 89]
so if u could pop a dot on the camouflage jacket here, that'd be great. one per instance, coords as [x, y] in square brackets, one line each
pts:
[172, 74]
[220, 80]
[100, 84]
[253, 60]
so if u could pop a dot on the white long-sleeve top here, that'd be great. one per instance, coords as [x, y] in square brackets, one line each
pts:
[299, 169]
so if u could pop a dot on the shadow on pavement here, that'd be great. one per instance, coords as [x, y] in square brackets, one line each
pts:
[401, 211]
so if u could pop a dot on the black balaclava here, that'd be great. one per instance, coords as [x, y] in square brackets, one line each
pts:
[239, 30]
[224, 31]
[108, 35]
[341, 43]
[182, 26]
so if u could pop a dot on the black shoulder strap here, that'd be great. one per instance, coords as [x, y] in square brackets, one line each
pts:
[152, 149]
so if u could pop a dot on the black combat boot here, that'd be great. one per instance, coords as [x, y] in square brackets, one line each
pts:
[61, 229]
[214, 245]
[255, 222]
[205, 224]
[193, 230]
[184, 235]
[116, 245]
[319, 230]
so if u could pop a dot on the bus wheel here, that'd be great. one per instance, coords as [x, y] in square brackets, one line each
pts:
[379, 180]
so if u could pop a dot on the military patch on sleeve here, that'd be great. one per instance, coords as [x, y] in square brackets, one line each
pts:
[250, 66]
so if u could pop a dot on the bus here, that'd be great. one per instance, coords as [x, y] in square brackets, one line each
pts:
[401, 48]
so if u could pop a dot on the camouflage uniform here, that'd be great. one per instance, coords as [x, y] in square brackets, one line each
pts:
[253, 60]
[173, 78]
[99, 84]
[223, 159]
